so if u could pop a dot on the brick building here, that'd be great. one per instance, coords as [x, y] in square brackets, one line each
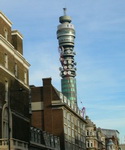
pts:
[14, 89]
[55, 118]
[15, 113]
[54, 113]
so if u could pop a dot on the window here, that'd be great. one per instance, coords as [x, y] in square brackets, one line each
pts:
[5, 123]
[69, 131]
[6, 34]
[6, 90]
[72, 119]
[15, 69]
[87, 132]
[6, 60]
[39, 136]
[64, 112]
[25, 77]
[32, 135]
[91, 143]
[73, 133]
[78, 123]
[65, 129]
[87, 144]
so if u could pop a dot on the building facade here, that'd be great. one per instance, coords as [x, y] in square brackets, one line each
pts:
[101, 139]
[16, 132]
[54, 113]
[111, 138]
[42, 140]
[122, 146]
[43, 118]
[14, 89]
[95, 139]
[57, 112]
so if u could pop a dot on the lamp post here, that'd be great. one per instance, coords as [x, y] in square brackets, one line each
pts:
[9, 129]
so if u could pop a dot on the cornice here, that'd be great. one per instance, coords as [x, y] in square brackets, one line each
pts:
[59, 104]
[5, 19]
[16, 32]
[12, 75]
[10, 48]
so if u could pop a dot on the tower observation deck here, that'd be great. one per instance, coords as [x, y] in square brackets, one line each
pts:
[66, 36]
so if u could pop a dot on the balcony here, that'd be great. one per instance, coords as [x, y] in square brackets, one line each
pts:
[14, 144]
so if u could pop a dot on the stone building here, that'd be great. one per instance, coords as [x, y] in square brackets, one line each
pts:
[95, 139]
[112, 139]
[122, 146]
[101, 139]
[14, 89]
[91, 138]
[54, 113]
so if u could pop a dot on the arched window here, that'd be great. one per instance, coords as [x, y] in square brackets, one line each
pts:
[87, 132]
[5, 123]
[87, 144]
[91, 143]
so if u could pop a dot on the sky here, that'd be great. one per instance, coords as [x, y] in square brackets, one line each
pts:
[99, 46]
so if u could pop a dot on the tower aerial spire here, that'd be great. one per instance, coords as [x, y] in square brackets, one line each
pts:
[66, 36]
[64, 9]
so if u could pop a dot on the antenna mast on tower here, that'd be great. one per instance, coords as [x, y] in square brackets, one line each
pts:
[64, 9]
[66, 36]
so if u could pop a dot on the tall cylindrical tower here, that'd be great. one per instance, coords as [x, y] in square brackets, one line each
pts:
[66, 36]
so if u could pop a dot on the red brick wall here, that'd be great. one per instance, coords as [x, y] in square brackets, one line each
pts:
[37, 119]
[36, 94]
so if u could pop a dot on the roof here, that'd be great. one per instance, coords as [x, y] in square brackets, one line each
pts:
[110, 133]
[89, 122]
[5, 19]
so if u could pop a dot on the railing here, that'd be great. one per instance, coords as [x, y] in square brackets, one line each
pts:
[14, 144]
[43, 138]
[65, 100]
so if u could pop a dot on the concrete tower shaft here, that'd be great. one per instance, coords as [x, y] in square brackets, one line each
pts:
[66, 36]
